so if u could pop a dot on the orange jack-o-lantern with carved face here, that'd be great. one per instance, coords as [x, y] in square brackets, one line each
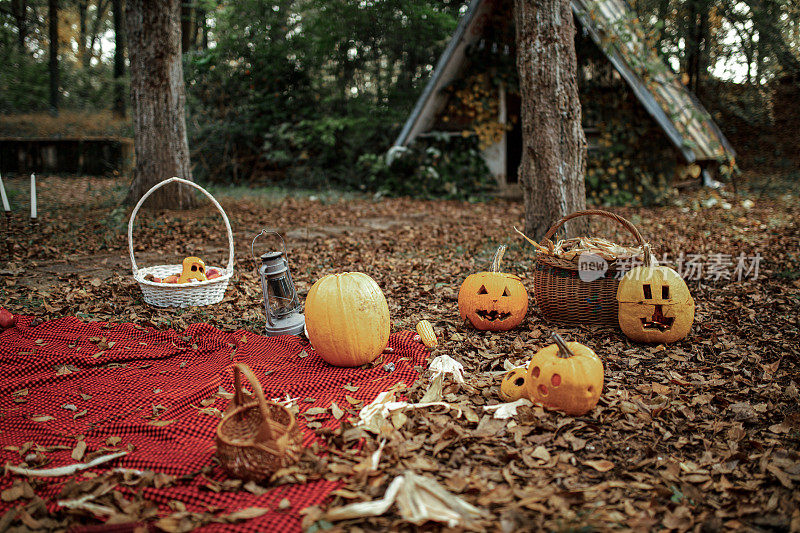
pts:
[565, 376]
[193, 269]
[654, 304]
[493, 301]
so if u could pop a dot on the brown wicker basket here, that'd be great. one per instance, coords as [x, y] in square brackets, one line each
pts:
[562, 296]
[256, 438]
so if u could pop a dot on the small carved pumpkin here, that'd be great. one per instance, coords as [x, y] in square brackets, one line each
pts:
[347, 319]
[493, 301]
[654, 304]
[512, 388]
[193, 269]
[565, 376]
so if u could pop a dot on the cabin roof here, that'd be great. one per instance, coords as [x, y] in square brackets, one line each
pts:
[614, 27]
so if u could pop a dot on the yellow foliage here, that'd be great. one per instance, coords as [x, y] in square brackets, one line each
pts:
[478, 102]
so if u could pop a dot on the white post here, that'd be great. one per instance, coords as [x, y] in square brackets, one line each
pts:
[6, 207]
[33, 196]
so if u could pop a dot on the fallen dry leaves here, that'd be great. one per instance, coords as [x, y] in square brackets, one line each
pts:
[700, 435]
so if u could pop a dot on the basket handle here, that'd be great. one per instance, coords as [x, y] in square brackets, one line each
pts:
[229, 268]
[623, 222]
[238, 398]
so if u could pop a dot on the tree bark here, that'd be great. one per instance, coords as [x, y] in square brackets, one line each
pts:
[119, 58]
[52, 13]
[157, 102]
[553, 143]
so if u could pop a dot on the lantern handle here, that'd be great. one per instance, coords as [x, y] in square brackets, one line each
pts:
[266, 232]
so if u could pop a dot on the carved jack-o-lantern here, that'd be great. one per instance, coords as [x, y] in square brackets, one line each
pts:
[493, 301]
[193, 269]
[565, 376]
[512, 388]
[654, 304]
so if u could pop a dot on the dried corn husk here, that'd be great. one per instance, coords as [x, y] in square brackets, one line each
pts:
[571, 249]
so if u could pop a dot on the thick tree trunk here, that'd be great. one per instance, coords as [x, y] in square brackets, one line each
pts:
[157, 102]
[553, 144]
[119, 58]
[52, 13]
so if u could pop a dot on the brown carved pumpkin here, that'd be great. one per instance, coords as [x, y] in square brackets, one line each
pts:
[493, 301]
[347, 319]
[565, 376]
[512, 388]
[654, 304]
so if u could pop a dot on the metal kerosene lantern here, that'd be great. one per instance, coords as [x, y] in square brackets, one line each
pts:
[281, 304]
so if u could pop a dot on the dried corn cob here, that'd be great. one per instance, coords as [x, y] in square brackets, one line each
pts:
[426, 334]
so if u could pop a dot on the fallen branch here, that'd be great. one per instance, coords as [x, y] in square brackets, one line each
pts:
[65, 470]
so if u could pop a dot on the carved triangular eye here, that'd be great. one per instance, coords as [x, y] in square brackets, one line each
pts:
[665, 292]
[505, 292]
[483, 290]
[648, 293]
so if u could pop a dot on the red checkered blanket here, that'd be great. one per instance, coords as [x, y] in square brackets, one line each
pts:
[67, 378]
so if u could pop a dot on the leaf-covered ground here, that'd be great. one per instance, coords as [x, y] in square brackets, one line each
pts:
[699, 435]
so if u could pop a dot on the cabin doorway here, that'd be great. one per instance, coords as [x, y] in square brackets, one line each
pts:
[513, 138]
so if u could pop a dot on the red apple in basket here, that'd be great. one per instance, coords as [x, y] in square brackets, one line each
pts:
[212, 273]
[170, 279]
[7, 319]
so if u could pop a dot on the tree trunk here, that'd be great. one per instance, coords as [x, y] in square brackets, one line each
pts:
[186, 26]
[553, 143]
[696, 35]
[119, 58]
[83, 5]
[198, 28]
[52, 13]
[19, 10]
[157, 102]
[99, 15]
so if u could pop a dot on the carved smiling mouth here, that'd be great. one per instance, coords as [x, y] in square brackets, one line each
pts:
[492, 315]
[658, 321]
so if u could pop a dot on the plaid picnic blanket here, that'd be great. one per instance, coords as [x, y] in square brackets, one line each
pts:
[143, 386]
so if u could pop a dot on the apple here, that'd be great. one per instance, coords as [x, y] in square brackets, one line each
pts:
[7, 319]
[212, 273]
[170, 279]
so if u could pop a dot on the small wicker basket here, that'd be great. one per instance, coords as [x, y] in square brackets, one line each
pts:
[184, 294]
[561, 294]
[256, 438]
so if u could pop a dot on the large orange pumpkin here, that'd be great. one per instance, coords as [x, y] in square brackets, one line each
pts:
[565, 376]
[347, 319]
[493, 301]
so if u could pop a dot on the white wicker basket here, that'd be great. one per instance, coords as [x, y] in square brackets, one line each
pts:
[184, 294]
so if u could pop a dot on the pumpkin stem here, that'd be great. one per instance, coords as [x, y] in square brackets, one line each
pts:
[498, 256]
[563, 350]
[648, 255]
